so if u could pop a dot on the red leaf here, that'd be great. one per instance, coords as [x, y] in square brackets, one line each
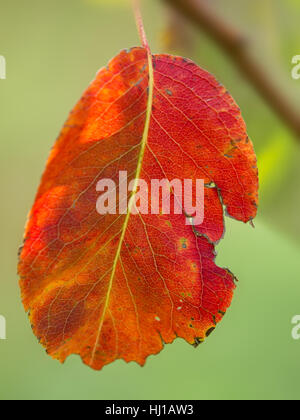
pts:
[119, 286]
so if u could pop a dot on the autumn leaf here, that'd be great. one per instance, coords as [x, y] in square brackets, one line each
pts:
[119, 286]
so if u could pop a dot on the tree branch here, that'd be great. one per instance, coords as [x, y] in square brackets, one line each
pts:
[235, 46]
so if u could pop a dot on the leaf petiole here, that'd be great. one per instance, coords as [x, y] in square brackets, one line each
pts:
[140, 24]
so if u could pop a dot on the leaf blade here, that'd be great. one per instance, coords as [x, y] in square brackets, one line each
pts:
[150, 277]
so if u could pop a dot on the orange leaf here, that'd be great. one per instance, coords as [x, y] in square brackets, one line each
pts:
[119, 286]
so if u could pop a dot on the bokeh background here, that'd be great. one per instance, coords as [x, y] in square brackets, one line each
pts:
[53, 50]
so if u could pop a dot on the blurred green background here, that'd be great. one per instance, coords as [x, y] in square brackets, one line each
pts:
[53, 50]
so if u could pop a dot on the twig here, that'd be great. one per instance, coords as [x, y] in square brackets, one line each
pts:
[235, 46]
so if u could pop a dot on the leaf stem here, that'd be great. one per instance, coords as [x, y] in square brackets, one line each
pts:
[140, 24]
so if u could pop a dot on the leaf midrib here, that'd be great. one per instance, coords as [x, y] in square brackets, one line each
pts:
[131, 201]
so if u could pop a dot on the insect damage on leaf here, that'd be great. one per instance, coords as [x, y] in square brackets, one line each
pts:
[119, 286]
